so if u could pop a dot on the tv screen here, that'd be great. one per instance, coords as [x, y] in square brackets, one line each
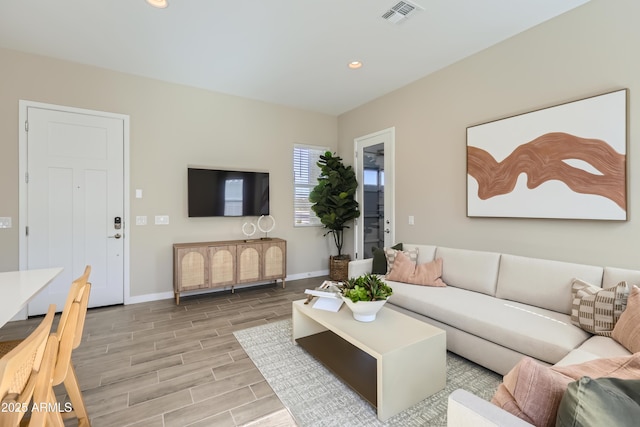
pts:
[214, 192]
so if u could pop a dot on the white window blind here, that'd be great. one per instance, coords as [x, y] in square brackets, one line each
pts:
[305, 178]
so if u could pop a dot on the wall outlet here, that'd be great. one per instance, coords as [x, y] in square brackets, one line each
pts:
[162, 219]
[5, 222]
[412, 220]
[141, 220]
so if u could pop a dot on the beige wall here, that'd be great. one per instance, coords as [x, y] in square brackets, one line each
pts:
[588, 51]
[172, 126]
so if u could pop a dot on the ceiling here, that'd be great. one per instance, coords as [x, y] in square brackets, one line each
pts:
[288, 52]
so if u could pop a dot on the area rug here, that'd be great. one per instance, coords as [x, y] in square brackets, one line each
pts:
[317, 398]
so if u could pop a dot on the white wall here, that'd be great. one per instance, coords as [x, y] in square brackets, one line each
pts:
[172, 126]
[587, 51]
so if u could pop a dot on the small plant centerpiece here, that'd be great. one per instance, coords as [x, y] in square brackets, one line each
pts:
[365, 296]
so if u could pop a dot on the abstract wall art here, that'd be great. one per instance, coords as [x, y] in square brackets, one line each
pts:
[567, 161]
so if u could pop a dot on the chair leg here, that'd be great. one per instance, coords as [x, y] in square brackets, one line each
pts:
[54, 418]
[75, 396]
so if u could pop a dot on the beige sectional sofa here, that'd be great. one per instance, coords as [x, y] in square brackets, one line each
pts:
[497, 308]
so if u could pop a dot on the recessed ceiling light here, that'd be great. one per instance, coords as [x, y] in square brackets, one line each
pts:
[160, 4]
[354, 65]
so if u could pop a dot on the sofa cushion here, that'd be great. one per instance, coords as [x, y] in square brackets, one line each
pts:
[473, 270]
[627, 330]
[600, 402]
[613, 275]
[597, 310]
[426, 253]
[543, 334]
[380, 259]
[542, 283]
[595, 347]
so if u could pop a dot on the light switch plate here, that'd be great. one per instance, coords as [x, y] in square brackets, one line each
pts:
[141, 220]
[5, 222]
[138, 193]
[162, 219]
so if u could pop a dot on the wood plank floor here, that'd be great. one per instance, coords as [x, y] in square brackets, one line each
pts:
[157, 364]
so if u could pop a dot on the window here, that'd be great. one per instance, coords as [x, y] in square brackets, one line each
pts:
[305, 178]
[233, 197]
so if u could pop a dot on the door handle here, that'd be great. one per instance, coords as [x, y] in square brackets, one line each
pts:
[116, 236]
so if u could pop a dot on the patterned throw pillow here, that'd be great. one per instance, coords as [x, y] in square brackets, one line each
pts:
[597, 310]
[391, 256]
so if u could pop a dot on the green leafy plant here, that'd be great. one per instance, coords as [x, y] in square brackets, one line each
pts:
[334, 197]
[366, 288]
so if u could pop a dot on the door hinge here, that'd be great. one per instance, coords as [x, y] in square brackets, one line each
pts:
[26, 177]
[26, 230]
[26, 126]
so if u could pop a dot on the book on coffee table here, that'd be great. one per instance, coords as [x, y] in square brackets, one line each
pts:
[329, 296]
[328, 304]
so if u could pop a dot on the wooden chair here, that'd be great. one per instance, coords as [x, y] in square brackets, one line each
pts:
[69, 334]
[26, 370]
[45, 409]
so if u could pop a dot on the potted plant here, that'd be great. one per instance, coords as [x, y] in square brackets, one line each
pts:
[365, 296]
[335, 204]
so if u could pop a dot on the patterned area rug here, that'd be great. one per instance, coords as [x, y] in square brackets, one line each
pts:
[316, 397]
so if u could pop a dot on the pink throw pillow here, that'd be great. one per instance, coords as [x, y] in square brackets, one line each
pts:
[627, 328]
[428, 274]
[533, 392]
[402, 268]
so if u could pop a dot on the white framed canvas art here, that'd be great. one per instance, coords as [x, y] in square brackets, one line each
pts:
[567, 161]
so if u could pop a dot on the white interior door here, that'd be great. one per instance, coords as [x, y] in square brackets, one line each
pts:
[374, 162]
[75, 192]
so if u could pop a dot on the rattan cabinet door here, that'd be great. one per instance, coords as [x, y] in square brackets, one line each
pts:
[192, 270]
[222, 265]
[249, 258]
[274, 260]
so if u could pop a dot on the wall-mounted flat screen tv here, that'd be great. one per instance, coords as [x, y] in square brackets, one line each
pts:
[215, 192]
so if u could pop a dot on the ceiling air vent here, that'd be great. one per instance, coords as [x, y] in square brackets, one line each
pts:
[401, 11]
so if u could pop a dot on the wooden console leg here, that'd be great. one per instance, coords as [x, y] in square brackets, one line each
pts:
[177, 294]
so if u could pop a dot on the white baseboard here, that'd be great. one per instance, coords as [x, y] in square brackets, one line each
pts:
[168, 295]
[308, 275]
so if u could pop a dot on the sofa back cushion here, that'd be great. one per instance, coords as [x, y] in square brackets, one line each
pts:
[613, 276]
[426, 253]
[472, 270]
[542, 283]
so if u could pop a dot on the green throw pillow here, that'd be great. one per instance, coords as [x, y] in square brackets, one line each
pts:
[380, 259]
[600, 402]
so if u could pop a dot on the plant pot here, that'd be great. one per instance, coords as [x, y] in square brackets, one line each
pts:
[364, 311]
[339, 267]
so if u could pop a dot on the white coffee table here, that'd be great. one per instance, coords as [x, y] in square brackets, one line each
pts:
[393, 362]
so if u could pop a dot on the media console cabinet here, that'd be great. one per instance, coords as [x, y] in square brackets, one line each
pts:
[214, 265]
